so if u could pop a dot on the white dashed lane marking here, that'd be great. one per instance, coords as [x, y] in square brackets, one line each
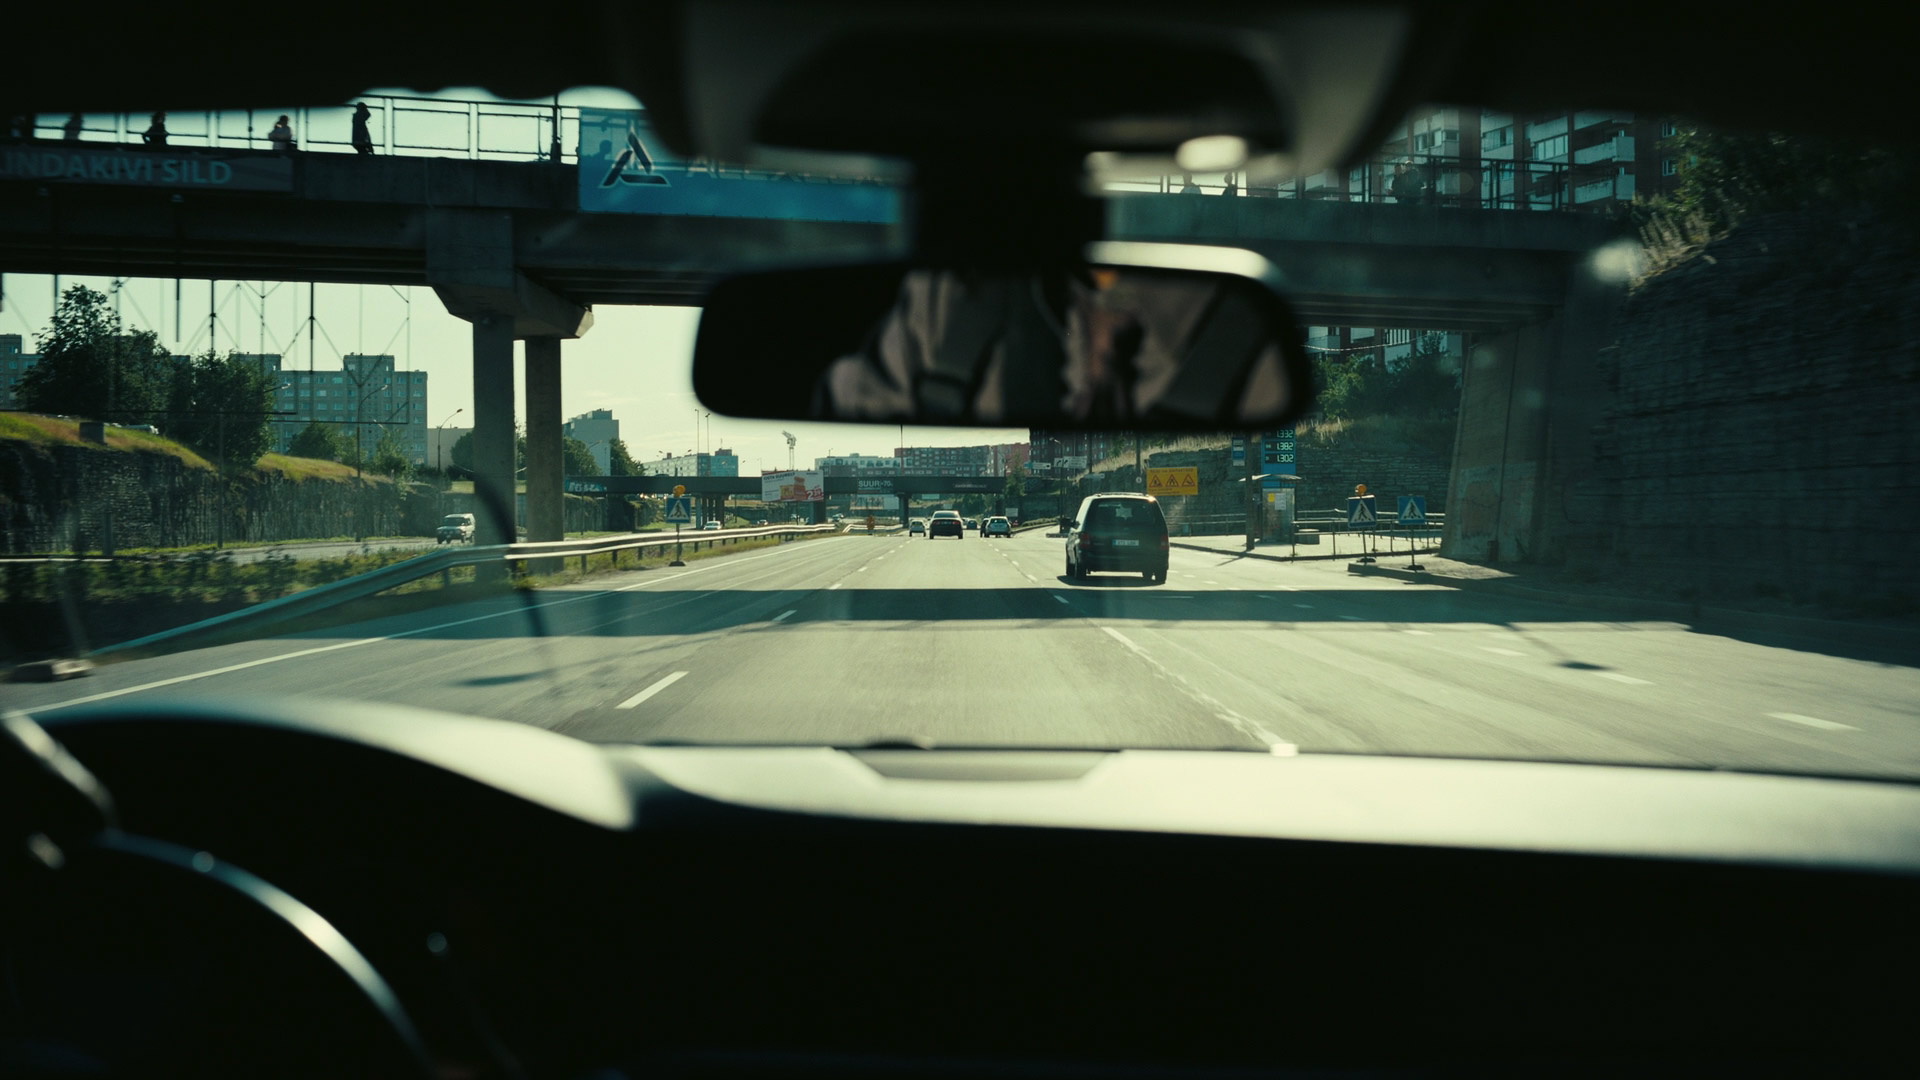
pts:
[1812, 721]
[652, 690]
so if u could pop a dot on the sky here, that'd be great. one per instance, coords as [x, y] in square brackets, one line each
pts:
[636, 361]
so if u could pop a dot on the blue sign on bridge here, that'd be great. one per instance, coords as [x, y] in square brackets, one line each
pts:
[625, 170]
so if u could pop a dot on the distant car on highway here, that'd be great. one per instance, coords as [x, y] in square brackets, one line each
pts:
[916, 526]
[974, 524]
[762, 521]
[1114, 531]
[947, 523]
[996, 526]
[455, 529]
[711, 526]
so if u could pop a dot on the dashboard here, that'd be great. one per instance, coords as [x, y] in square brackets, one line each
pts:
[546, 907]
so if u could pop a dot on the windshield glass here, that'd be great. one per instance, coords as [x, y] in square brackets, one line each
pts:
[1612, 458]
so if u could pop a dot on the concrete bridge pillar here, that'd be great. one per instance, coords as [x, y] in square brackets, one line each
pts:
[546, 515]
[493, 466]
[1529, 400]
[470, 264]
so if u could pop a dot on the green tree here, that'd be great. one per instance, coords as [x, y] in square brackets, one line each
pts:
[1016, 481]
[390, 457]
[461, 455]
[317, 440]
[1725, 176]
[91, 366]
[576, 459]
[219, 406]
[1425, 384]
[620, 462]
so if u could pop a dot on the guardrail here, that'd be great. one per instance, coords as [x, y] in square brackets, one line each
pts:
[1431, 180]
[333, 594]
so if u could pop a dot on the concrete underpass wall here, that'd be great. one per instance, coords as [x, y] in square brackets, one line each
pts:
[1759, 437]
[1737, 426]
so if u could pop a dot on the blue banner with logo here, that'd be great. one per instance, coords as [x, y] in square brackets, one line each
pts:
[625, 170]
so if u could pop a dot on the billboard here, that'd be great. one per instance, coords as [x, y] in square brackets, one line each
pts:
[792, 487]
[625, 170]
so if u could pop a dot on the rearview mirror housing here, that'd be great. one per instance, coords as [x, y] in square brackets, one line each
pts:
[1156, 336]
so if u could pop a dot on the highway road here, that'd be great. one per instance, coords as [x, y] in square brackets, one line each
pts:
[852, 639]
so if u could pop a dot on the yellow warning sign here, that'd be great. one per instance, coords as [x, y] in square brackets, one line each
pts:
[1178, 481]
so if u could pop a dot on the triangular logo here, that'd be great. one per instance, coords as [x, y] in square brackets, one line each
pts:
[634, 165]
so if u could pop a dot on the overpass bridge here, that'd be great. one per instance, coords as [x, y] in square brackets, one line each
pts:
[506, 246]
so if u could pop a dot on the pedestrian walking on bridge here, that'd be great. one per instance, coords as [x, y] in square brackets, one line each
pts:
[362, 138]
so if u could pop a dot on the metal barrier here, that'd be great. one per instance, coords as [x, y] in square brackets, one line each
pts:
[333, 594]
[1431, 180]
[399, 125]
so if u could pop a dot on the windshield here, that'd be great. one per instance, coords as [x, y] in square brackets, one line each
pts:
[1612, 458]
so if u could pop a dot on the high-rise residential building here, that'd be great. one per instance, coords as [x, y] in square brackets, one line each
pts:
[15, 361]
[1579, 161]
[599, 430]
[365, 397]
[857, 465]
[722, 462]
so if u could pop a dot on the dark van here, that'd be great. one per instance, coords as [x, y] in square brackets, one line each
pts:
[1118, 531]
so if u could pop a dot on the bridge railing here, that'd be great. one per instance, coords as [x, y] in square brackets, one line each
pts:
[399, 125]
[1430, 180]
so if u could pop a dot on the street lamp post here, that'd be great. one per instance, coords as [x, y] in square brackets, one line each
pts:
[440, 444]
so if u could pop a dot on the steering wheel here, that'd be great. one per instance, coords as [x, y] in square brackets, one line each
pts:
[125, 955]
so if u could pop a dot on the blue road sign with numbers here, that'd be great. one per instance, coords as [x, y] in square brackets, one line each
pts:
[1413, 509]
[679, 510]
[1360, 512]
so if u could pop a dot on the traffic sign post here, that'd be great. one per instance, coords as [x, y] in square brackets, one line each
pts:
[1413, 511]
[680, 512]
[1361, 516]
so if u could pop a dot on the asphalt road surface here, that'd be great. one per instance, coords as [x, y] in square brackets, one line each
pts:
[974, 642]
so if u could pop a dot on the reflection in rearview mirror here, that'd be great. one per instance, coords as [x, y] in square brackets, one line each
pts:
[1104, 344]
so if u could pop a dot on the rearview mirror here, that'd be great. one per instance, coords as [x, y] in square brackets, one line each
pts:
[1166, 336]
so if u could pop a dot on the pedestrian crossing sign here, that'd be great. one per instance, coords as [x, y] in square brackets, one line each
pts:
[1413, 509]
[679, 510]
[1360, 512]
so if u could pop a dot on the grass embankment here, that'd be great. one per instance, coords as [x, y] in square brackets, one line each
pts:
[298, 468]
[53, 431]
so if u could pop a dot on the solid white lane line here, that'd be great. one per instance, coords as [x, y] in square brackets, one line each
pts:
[1812, 721]
[1503, 652]
[1617, 677]
[1250, 728]
[782, 617]
[652, 690]
[1422, 633]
